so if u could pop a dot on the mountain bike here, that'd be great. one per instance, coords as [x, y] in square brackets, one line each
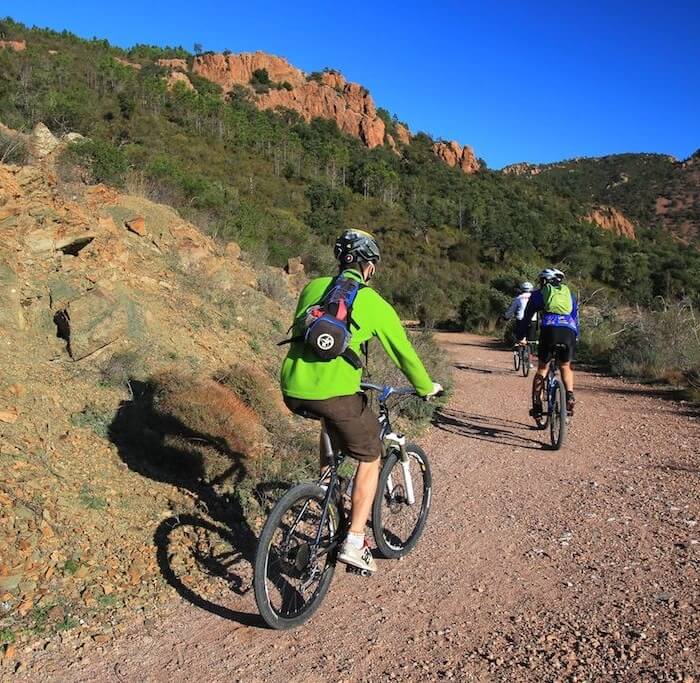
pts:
[299, 544]
[522, 357]
[555, 415]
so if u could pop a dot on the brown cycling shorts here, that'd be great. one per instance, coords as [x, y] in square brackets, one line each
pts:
[350, 422]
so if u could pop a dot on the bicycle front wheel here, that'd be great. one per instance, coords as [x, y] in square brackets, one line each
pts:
[516, 360]
[557, 421]
[525, 361]
[292, 571]
[402, 503]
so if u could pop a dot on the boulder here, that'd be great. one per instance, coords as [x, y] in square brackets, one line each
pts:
[68, 239]
[233, 251]
[42, 141]
[137, 225]
[295, 266]
[91, 322]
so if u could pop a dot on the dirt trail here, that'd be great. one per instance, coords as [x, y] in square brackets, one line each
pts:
[536, 565]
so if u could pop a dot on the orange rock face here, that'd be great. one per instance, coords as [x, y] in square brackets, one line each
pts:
[612, 219]
[352, 108]
[453, 154]
[177, 64]
[403, 135]
[349, 104]
[229, 70]
[16, 45]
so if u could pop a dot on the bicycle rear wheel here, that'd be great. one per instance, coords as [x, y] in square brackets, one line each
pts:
[292, 574]
[397, 524]
[557, 420]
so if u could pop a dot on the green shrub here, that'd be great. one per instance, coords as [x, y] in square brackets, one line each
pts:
[13, 150]
[102, 162]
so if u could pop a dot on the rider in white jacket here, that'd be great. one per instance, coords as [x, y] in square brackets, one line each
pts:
[519, 304]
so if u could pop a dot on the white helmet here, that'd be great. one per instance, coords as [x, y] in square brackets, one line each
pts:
[552, 276]
[526, 287]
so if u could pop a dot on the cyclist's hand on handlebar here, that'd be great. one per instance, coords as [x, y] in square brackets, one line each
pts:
[436, 391]
[523, 342]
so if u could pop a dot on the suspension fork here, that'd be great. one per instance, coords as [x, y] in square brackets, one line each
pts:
[405, 462]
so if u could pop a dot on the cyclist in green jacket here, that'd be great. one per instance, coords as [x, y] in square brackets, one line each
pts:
[330, 390]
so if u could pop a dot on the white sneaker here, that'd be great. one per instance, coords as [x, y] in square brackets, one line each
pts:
[360, 558]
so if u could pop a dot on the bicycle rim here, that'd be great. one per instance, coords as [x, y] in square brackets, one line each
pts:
[397, 523]
[289, 582]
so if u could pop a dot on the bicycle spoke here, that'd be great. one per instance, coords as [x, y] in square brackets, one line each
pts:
[293, 571]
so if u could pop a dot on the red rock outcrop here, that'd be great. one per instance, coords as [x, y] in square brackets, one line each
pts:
[16, 45]
[522, 168]
[176, 64]
[612, 219]
[331, 97]
[403, 135]
[237, 69]
[352, 108]
[453, 154]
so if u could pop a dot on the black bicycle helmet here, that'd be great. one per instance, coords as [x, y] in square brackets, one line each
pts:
[356, 245]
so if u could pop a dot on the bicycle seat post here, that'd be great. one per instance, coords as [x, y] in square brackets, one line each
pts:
[326, 443]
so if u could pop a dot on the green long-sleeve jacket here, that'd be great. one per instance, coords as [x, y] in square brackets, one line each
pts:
[305, 376]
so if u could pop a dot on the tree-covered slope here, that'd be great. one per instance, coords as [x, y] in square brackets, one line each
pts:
[653, 190]
[454, 244]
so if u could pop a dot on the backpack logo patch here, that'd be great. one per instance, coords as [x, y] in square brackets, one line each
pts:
[325, 342]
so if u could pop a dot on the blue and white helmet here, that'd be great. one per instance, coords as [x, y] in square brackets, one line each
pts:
[526, 287]
[552, 276]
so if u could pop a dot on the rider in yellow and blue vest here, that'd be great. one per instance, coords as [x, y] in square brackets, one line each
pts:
[558, 333]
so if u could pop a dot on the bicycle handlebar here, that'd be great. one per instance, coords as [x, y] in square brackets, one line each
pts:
[386, 391]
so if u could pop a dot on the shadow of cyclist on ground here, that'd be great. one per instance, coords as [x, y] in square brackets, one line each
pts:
[212, 538]
[485, 428]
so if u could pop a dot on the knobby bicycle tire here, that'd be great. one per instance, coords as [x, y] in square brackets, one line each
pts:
[391, 541]
[558, 424]
[292, 558]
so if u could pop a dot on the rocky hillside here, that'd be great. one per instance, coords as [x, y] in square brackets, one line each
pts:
[138, 389]
[651, 190]
[274, 83]
[203, 134]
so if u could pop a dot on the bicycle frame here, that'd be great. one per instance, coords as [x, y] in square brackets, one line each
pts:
[331, 479]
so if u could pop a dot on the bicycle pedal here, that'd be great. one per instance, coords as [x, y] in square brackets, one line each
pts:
[357, 571]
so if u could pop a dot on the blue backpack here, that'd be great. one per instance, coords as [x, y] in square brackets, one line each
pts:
[326, 326]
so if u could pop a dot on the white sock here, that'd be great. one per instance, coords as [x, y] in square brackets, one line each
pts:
[356, 540]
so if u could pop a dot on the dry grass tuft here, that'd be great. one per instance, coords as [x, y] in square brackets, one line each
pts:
[211, 409]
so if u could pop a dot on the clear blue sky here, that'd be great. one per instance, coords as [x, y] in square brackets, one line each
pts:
[517, 79]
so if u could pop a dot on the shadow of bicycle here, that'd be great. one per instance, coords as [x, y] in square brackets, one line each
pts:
[486, 428]
[205, 550]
